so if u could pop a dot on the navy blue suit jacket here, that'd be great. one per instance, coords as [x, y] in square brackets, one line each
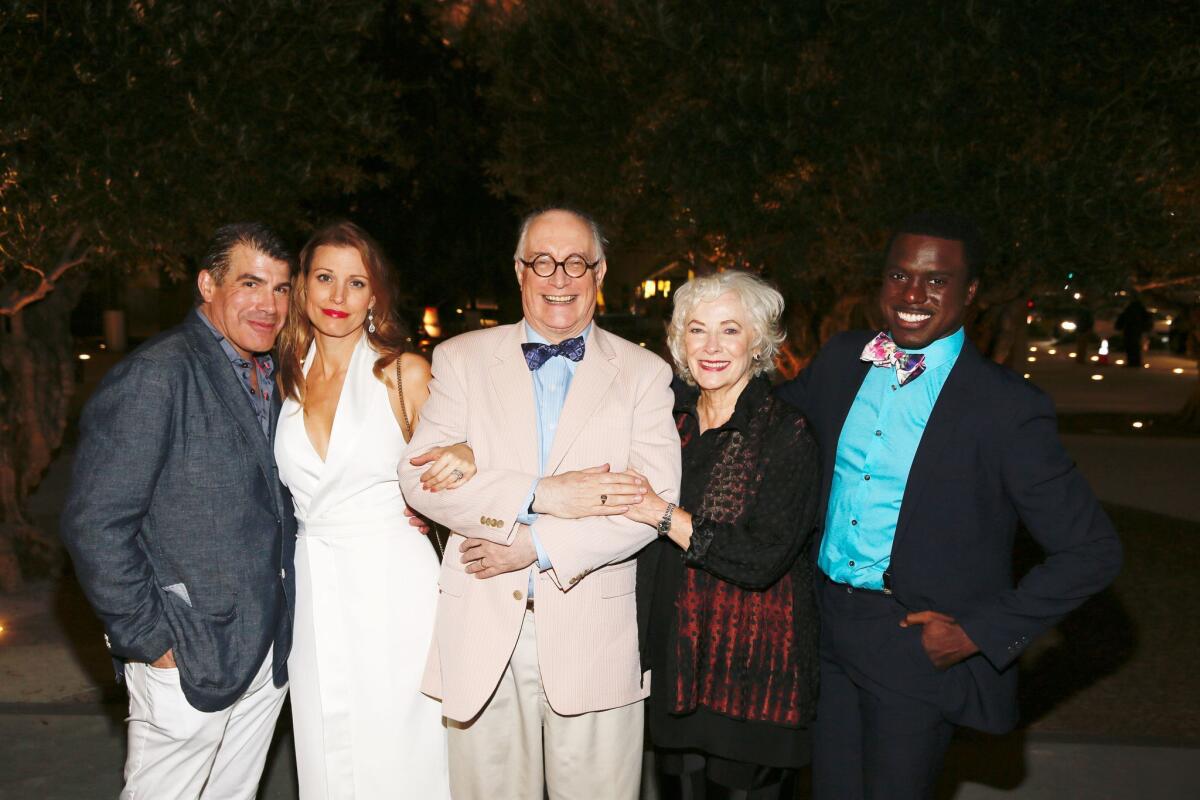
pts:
[990, 458]
[181, 534]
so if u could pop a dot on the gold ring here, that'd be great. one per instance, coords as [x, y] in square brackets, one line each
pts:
[603, 499]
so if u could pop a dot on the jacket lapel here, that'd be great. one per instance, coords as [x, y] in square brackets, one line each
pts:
[947, 415]
[514, 391]
[230, 391]
[590, 383]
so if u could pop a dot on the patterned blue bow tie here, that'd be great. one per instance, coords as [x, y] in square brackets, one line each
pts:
[538, 353]
[882, 352]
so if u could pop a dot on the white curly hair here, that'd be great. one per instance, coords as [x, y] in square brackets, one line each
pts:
[762, 302]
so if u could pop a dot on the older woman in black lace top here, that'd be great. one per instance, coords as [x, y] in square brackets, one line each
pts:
[725, 596]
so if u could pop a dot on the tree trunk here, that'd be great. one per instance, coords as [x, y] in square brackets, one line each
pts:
[1190, 413]
[37, 380]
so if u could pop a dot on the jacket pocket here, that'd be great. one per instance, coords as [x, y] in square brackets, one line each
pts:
[619, 582]
[207, 646]
[215, 454]
[453, 582]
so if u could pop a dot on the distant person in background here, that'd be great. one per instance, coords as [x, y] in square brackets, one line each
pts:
[1133, 323]
[1085, 326]
[933, 456]
[182, 535]
[727, 613]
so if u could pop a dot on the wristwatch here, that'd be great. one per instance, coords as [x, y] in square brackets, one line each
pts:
[664, 524]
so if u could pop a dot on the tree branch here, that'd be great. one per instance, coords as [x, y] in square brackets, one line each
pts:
[46, 283]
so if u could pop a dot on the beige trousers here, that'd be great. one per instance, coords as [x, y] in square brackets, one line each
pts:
[518, 744]
[180, 753]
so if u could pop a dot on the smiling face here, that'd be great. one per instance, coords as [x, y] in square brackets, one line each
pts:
[717, 341]
[926, 289]
[250, 305]
[559, 307]
[337, 291]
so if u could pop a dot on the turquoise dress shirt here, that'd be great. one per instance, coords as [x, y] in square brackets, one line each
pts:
[874, 455]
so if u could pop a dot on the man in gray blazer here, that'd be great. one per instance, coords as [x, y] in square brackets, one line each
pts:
[182, 535]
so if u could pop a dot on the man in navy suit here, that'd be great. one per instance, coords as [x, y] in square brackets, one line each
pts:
[183, 537]
[933, 456]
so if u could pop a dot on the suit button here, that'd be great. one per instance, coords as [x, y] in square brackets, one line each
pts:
[483, 520]
[499, 523]
[574, 580]
[517, 595]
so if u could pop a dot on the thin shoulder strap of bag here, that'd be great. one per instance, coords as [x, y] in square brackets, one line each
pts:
[403, 408]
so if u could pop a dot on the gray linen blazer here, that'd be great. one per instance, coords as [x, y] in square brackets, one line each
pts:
[181, 534]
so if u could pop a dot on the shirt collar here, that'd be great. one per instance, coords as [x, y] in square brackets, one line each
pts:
[747, 404]
[264, 362]
[533, 337]
[941, 351]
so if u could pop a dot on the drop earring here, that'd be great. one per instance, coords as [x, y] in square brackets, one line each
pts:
[370, 320]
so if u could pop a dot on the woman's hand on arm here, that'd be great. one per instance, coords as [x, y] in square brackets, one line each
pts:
[449, 467]
[651, 510]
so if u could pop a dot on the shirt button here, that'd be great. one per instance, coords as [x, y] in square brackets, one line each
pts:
[853, 522]
[852, 563]
[283, 574]
[866, 477]
[879, 433]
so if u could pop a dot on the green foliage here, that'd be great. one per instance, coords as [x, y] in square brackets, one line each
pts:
[787, 136]
[140, 126]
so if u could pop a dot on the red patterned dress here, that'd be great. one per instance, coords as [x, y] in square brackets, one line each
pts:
[730, 625]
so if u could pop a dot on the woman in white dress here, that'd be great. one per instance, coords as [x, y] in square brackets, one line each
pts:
[366, 581]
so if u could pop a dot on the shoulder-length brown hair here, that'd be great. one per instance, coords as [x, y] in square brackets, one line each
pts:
[389, 339]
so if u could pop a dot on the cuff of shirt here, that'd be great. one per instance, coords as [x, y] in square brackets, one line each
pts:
[526, 517]
[543, 559]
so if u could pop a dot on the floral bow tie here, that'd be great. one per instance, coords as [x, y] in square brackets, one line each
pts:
[882, 352]
[537, 353]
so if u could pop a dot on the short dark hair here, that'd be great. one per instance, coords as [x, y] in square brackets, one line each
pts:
[255, 235]
[945, 225]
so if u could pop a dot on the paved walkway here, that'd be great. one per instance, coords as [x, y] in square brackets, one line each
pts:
[61, 735]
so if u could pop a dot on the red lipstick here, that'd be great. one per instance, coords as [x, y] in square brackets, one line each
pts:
[333, 312]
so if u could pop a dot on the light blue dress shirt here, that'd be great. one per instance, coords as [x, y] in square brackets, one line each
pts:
[874, 455]
[550, 385]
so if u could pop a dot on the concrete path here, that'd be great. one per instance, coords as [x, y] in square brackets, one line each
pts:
[54, 754]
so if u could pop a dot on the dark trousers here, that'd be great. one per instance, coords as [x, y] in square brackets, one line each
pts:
[697, 776]
[880, 732]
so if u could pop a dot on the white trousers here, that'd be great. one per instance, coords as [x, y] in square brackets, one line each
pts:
[518, 744]
[180, 753]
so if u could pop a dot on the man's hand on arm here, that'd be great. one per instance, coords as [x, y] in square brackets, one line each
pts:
[944, 640]
[486, 559]
[588, 492]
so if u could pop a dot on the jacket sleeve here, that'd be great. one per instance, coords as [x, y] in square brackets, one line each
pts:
[758, 549]
[125, 437]
[1056, 505]
[576, 547]
[502, 492]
